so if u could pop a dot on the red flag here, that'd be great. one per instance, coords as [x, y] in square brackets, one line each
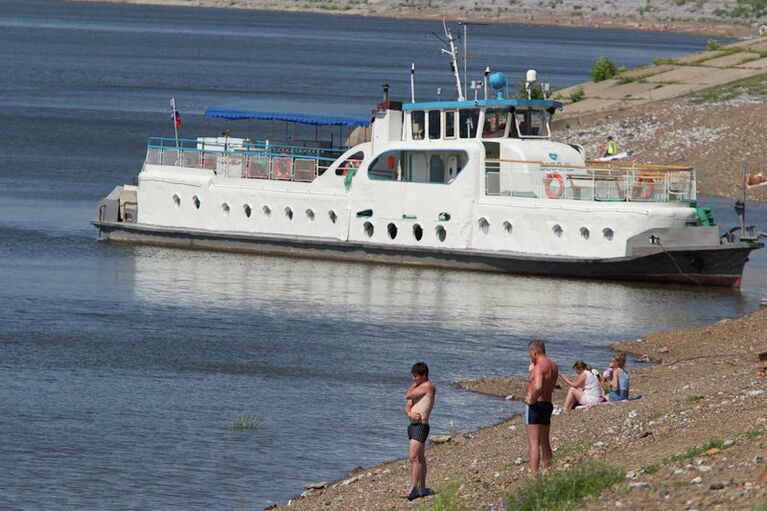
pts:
[176, 118]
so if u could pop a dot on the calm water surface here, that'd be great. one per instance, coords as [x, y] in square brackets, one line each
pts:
[122, 367]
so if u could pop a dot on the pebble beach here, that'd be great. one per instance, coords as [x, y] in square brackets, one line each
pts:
[695, 441]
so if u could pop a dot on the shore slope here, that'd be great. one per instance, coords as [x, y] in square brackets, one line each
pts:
[703, 389]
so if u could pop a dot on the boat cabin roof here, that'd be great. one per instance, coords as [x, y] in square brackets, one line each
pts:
[533, 104]
[311, 119]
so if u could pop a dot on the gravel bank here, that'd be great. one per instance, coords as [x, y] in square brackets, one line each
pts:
[702, 16]
[702, 390]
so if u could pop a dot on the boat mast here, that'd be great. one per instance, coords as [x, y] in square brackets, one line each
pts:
[453, 60]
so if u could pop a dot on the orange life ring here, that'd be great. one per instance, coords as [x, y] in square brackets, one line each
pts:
[554, 194]
[646, 187]
[281, 167]
[350, 165]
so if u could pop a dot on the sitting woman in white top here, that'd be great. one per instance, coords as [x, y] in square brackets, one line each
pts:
[585, 389]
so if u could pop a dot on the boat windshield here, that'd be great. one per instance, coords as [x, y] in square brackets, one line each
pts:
[495, 122]
[533, 123]
[468, 120]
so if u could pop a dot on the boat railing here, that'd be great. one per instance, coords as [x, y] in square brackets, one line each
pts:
[242, 159]
[595, 181]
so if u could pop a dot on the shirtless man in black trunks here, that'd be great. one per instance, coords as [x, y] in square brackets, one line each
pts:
[538, 407]
[419, 401]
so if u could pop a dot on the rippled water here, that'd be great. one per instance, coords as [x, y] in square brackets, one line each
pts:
[122, 367]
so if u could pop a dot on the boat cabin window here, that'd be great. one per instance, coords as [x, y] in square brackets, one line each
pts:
[417, 124]
[450, 124]
[495, 122]
[418, 166]
[533, 123]
[435, 128]
[469, 119]
[351, 163]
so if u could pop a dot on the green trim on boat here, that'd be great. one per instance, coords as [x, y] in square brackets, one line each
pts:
[705, 216]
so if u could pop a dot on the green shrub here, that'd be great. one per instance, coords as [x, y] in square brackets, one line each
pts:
[603, 69]
[713, 44]
[577, 94]
[564, 490]
[536, 91]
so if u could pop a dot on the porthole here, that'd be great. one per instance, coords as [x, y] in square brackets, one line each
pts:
[225, 208]
[246, 209]
[267, 211]
[332, 215]
[484, 225]
[368, 228]
[507, 227]
[557, 230]
[417, 232]
[289, 213]
[608, 233]
[585, 233]
[392, 230]
[196, 201]
[441, 233]
[177, 201]
[310, 215]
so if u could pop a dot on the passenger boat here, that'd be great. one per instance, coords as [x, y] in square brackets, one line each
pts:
[472, 183]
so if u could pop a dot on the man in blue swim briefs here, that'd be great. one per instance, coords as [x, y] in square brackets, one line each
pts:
[538, 407]
[419, 401]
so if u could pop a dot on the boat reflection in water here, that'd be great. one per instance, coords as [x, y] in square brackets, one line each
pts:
[466, 303]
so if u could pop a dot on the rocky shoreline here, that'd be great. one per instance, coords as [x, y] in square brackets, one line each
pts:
[695, 441]
[701, 17]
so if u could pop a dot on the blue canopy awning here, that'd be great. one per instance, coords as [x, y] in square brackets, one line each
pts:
[314, 120]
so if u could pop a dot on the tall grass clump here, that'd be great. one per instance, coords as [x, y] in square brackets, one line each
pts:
[564, 490]
[688, 453]
[444, 501]
[244, 421]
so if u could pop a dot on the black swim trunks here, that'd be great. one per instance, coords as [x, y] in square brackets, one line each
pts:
[418, 431]
[539, 413]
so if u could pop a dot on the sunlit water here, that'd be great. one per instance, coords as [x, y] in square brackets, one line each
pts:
[122, 367]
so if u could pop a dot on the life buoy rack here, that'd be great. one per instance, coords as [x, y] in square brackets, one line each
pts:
[560, 189]
[281, 168]
[350, 165]
[646, 187]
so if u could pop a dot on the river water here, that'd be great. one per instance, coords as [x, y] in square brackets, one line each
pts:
[124, 367]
